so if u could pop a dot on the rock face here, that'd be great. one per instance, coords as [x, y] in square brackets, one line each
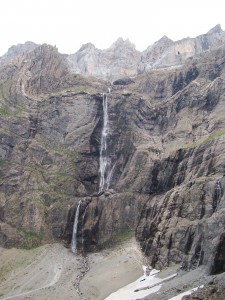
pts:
[165, 150]
[166, 53]
[214, 290]
[16, 51]
[122, 59]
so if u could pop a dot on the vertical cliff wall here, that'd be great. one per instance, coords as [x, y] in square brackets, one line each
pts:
[165, 143]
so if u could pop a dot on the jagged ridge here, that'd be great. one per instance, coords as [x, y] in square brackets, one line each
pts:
[123, 60]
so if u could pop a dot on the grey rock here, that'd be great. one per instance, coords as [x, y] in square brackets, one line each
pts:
[165, 146]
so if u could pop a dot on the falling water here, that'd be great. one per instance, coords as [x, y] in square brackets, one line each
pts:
[218, 193]
[74, 235]
[217, 196]
[104, 161]
[218, 190]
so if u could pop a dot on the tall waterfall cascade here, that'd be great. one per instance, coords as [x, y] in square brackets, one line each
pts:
[104, 161]
[75, 224]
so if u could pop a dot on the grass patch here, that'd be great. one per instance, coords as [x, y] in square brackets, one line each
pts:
[118, 238]
[8, 112]
[59, 204]
[19, 111]
[214, 136]
[3, 161]
[5, 111]
[210, 138]
[123, 235]
[76, 90]
[60, 148]
[31, 239]
[84, 89]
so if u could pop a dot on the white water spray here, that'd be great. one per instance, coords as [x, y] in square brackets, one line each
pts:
[74, 235]
[104, 162]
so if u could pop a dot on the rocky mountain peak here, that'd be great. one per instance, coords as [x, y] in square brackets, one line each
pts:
[122, 59]
[160, 45]
[215, 30]
[44, 49]
[123, 50]
[117, 61]
[164, 39]
[43, 69]
[16, 50]
[87, 46]
[120, 42]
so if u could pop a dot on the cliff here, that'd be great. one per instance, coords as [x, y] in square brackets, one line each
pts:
[164, 155]
[123, 60]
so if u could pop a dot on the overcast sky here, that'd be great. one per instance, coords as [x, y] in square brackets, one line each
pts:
[70, 23]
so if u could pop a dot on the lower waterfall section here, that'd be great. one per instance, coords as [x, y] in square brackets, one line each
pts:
[105, 218]
[74, 234]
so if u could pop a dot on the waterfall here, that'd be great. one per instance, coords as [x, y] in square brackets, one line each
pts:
[104, 161]
[218, 193]
[217, 196]
[75, 224]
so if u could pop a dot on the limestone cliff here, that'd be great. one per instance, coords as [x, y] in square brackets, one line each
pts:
[165, 151]
[122, 59]
[166, 53]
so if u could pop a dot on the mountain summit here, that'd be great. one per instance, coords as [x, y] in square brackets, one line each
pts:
[122, 59]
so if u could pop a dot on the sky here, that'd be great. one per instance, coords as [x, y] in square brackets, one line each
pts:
[69, 24]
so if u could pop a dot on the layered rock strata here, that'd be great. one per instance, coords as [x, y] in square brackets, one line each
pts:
[165, 144]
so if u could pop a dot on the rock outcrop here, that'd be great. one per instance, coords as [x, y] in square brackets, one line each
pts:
[166, 53]
[165, 149]
[16, 51]
[122, 59]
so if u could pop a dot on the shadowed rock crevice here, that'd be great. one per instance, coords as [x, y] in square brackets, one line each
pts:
[218, 264]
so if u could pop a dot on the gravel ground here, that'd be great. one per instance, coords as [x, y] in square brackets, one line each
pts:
[53, 272]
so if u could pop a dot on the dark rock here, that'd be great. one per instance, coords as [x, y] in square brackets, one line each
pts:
[124, 81]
